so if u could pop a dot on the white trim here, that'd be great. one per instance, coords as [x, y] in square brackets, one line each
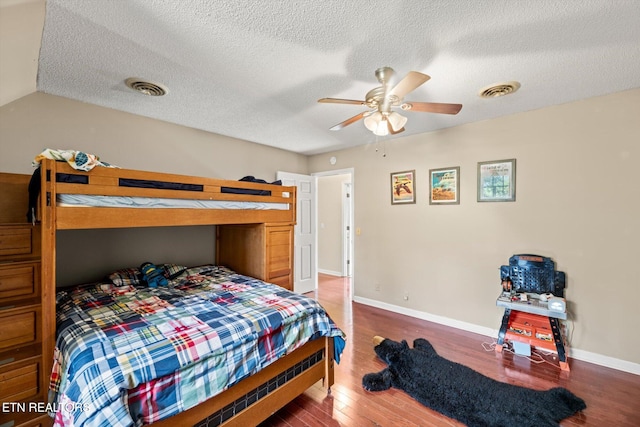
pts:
[574, 353]
[345, 171]
[330, 272]
[347, 230]
[602, 360]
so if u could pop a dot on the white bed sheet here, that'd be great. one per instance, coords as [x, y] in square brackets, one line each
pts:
[149, 202]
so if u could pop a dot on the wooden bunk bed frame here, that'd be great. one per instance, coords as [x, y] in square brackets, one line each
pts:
[310, 363]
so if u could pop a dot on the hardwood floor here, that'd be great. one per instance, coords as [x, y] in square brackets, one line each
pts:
[612, 396]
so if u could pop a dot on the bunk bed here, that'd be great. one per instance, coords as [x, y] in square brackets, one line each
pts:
[248, 216]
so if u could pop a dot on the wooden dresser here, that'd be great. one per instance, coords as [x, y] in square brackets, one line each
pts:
[23, 380]
[264, 251]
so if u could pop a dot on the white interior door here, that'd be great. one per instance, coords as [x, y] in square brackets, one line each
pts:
[305, 269]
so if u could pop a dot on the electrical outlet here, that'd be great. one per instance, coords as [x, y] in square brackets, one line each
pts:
[377, 287]
[406, 296]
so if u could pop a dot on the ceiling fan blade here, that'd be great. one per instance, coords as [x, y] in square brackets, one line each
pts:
[340, 101]
[431, 107]
[351, 120]
[409, 83]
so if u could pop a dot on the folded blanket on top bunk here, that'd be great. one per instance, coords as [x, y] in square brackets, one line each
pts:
[78, 160]
[131, 354]
[249, 190]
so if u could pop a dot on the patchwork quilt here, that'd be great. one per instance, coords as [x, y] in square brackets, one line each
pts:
[128, 355]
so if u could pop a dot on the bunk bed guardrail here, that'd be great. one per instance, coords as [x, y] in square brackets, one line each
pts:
[232, 202]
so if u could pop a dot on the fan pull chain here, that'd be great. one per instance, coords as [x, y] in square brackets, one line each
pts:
[384, 146]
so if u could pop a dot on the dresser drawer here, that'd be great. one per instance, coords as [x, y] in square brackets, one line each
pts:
[278, 257]
[279, 263]
[19, 242]
[18, 326]
[16, 240]
[19, 382]
[19, 280]
[278, 253]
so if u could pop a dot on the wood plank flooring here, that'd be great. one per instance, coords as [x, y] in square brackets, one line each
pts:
[612, 396]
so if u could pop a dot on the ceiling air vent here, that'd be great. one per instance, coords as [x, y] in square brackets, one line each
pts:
[500, 89]
[144, 87]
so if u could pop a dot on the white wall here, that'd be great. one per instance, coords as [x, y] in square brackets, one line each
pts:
[578, 202]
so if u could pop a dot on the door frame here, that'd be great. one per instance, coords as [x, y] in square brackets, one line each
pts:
[351, 206]
[347, 237]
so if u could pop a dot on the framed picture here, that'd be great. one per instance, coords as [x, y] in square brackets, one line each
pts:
[403, 187]
[497, 181]
[445, 186]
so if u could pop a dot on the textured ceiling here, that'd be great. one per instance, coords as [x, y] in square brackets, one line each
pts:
[254, 69]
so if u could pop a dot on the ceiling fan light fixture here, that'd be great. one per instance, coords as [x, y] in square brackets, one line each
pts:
[383, 128]
[372, 120]
[397, 121]
[377, 123]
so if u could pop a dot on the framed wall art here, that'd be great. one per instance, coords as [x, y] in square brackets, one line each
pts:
[497, 181]
[403, 187]
[444, 186]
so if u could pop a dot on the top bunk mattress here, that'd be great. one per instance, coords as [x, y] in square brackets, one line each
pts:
[84, 200]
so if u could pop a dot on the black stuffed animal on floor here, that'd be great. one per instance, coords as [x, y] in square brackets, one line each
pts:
[460, 392]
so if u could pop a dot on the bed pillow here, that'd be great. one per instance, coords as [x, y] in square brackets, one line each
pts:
[171, 271]
[112, 289]
[126, 277]
[202, 269]
[133, 276]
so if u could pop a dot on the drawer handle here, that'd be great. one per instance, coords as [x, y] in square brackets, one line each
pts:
[6, 307]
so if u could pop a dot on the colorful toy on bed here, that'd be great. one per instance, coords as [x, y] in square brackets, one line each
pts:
[153, 275]
[77, 159]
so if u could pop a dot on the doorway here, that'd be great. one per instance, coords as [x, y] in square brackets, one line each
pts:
[335, 224]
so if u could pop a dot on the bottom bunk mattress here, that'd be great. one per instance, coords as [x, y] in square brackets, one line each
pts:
[132, 354]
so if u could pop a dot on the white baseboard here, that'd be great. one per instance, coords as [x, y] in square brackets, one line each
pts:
[574, 353]
[330, 272]
[602, 360]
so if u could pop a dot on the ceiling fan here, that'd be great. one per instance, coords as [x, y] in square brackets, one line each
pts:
[380, 119]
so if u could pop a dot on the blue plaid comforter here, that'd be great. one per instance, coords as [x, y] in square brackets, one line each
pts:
[127, 356]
